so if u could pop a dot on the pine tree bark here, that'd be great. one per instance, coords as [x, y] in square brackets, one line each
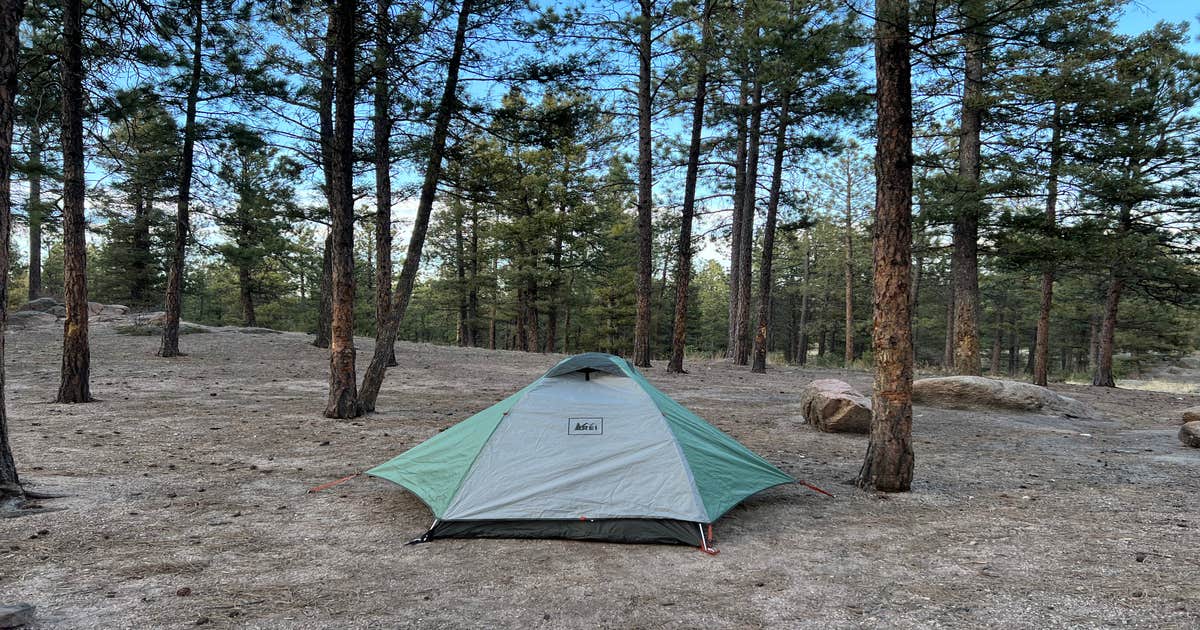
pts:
[683, 272]
[36, 146]
[1041, 350]
[246, 293]
[848, 266]
[645, 201]
[11, 12]
[765, 279]
[373, 379]
[343, 382]
[139, 285]
[382, 130]
[325, 308]
[888, 464]
[998, 341]
[803, 342]
[948, 352]
[1106, 338]
[74, 386]
[325, 92]
[169, 345]
[742, 347]
[739, 196]
[966, 221]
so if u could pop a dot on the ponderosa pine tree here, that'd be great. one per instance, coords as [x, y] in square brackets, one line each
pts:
[343, 381]
[1143, 181]
[74, 385]
[645, 203]
[447, 106]
[683, 269]
[382, 145]
[169, 346]
[10, 47]
[888, 464]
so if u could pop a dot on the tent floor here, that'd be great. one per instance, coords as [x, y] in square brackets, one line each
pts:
[624, 530]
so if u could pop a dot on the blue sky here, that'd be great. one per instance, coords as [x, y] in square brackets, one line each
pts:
[1143, 14]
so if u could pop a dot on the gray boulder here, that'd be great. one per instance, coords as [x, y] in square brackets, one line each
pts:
[833, 406]
[16, 615]
[977, 392]
[156, 318]
[42, 305]
[1189, 434]
[21, 320]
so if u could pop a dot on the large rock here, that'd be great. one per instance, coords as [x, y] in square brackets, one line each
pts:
[157, 318]
[977, 392]
[1189, 434]
[42, 305]
[16, 616]
[1191, 414]
[29, 319]
[834, 407]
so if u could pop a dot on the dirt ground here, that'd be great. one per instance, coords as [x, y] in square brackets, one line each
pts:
[192, 474]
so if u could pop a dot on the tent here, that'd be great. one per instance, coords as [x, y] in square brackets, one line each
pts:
[590, 451]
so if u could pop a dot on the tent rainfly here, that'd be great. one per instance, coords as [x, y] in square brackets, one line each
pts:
[589, 451]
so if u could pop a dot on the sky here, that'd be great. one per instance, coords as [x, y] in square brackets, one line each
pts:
[1139, 16]
[1143, 14]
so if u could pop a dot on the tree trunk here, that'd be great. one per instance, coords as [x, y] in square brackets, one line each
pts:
[325, 93]
[1093, 350]
[382, 130]
[246, 292]
[10, 50]
[645, 203]
[966, 221]
[998, 341]
[139, 285]
[888, 464]
[1041, 350]
[169, 346]
[915, 299]
[741, 354]
[802, 347]
[460, 277]
[948, 354]
[683, 272]
[325, 310]
[765, 280]
[848, 359]
[343, 382]
[74, 386]
[473, 280]
[373, 379]
[739, 197]
[1103, 376]
[1014, 343]
[35, 209]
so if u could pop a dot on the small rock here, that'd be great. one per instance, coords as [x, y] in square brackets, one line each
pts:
[16, 615]
[184, 592]
[1189, 434]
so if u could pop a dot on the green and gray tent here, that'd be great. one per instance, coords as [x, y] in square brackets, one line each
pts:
[592, 451]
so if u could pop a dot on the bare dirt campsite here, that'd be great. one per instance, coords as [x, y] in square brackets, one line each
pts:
[185, 503]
